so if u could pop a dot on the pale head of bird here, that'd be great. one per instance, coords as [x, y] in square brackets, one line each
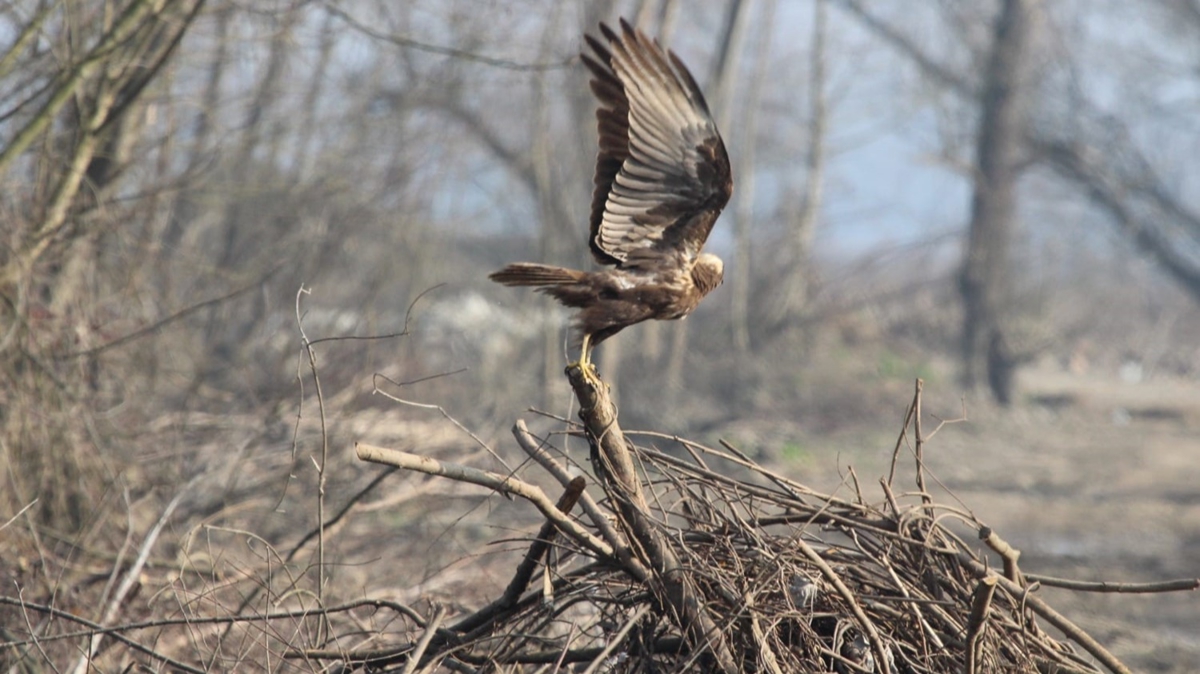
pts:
[708, 272]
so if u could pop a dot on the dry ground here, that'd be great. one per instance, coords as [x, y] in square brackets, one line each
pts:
[1092, 478]
[1108, 489]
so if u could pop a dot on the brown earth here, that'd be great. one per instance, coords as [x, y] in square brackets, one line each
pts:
[1094, 478]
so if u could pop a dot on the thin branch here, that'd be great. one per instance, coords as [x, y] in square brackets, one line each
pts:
[320, 463]
[95, 628]
[909, 47]
[19, 513]
[431, 629]
[541, 543]
[494, 481]
[441, 410]
[397, 607]
[132, 576]
[409, 43]
[29, 32]
[1178, 585]
[162, 323]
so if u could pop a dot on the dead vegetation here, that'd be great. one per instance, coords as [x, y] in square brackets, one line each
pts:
[717, 563]
[669, 554]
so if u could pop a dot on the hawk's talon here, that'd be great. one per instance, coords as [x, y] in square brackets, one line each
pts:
[591, 375]
[587, 371]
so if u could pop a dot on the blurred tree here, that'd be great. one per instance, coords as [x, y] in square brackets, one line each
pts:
[1077, 133]
[721, 91]
[745, 136]
[74, 82]
[984, 279]
[795, 290]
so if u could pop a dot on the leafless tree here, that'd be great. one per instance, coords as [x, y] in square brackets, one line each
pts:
[76, 78]
[722, 87]
[984, 279]
[743, 212]
[796, 285]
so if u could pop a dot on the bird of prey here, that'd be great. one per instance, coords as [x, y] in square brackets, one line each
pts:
[662, 178]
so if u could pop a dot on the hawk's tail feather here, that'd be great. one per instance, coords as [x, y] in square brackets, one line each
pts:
[531, 274]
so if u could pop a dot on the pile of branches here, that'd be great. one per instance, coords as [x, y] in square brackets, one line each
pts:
[711, 562]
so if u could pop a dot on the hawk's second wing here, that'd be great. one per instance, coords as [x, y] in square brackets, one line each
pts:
[662, 174]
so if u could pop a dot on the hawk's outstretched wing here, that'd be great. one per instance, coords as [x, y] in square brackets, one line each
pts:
[662, 175]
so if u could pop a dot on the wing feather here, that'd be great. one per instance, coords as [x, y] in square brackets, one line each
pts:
[662, 175]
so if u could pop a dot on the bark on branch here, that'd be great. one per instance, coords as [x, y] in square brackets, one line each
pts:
[501, 483]
[670, 582]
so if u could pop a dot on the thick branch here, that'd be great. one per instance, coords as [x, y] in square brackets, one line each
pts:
[599, 518]
[541, 544]
[614, 462]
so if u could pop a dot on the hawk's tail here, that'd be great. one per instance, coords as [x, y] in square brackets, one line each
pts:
[530, 274]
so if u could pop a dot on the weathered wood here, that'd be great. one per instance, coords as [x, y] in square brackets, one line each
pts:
[599, 518]
[505, 484]
[669, 581]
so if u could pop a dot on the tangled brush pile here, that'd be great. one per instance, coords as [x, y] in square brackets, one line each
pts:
[704, 560]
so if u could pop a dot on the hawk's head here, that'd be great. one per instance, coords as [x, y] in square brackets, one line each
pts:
[708, 273]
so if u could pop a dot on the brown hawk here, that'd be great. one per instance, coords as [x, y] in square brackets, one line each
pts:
[662, 178]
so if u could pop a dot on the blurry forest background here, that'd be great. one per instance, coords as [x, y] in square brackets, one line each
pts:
[1000, 197]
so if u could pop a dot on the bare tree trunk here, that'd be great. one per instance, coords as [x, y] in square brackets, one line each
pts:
[185, 208]
[743, 215]
[722, 81]
[667, 20]
[797, 270]
[559, 234]
[308, 111]
[658, 18]
[642, 12]
[983, 282]
[256, 128]
[551, 250]
[726, 59]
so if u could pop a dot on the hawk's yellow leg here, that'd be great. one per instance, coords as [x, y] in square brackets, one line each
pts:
[585, 362]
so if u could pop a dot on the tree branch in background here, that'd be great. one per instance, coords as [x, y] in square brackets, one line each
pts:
[409, 43]
[144, 30]
[1091, 168]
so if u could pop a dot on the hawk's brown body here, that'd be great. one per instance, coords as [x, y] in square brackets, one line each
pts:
[614, 299]
[662, 178]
